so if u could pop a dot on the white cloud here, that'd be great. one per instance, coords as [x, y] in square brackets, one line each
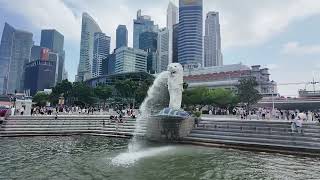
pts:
[252, 22]
[272, 66]
[243, 23]
[295, 48]
[47, 14]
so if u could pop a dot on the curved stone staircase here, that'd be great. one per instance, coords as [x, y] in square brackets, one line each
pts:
[257, 135]
[67, 125]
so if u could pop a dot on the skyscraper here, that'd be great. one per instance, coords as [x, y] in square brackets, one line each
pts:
[130, 60]
[101, 50]
[108, 64]
[148, 42]
[140, 25]
[52, 39]
[212, 41]
[172, 19]
[35, 53]
[89, 27]
[163, 50]
[122, 36]
[190, 36]
[39, 75]
[15, 51]
[175, 43]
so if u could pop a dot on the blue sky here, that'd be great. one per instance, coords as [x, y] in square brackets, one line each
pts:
[282, 35]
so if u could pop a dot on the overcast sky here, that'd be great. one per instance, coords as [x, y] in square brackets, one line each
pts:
[283, 35]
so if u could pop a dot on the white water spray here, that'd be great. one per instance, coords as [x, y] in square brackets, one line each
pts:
[157, 99]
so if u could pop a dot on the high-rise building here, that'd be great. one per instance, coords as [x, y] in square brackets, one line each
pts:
[101, 50]
[54, 57]
[35, 53]
[15, 52]
[122, 36]
[39, 75]
[190, 38]
[172, 19]
[175, 43]
[212, 41]
[130, 60]
[149, 42]
[52, 39]
[163, 49]
[89, 27]
[142, 24]
[108, 64]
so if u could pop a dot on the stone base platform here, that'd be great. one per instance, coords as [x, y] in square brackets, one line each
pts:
[163, 128]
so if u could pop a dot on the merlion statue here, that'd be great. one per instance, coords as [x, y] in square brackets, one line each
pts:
[161, 110]
[165, 95]
[175, 85]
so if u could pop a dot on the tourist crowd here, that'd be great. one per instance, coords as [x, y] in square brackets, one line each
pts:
[268, 114]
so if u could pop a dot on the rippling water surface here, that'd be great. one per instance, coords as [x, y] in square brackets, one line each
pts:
[88, 157]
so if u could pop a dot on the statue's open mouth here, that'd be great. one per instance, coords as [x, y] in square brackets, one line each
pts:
[173, 72]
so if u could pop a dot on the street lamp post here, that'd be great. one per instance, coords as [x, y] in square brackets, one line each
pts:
[272, 101]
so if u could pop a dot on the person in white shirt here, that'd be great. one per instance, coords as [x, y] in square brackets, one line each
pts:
[297, 123]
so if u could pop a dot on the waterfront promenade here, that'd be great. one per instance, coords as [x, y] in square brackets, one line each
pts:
[217, 131]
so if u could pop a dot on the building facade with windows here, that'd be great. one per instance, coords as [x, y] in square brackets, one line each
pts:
[39, 75]
[121, 36]
[130, 60]
[88, 28]
[212, 41]
[149, 42]
[52, 39]
[228, 77]
[101, 50]
[172, 19]
[15, 52]
[142, 24]
[163, 49]
[190, 37]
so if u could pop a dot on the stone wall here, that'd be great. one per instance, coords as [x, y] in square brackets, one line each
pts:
[168, 129]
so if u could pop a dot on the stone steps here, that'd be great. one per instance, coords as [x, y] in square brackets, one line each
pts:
[289, 137]
[262, 134]
[68, 125]
[257, 128]
[257, 124]
[245, 145]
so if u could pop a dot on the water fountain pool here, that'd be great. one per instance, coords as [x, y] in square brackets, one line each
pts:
[90, 157]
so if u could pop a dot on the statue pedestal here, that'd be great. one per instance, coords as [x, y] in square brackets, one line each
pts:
[169, 126]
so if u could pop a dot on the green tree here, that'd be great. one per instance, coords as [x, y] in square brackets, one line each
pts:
[142, 90]
[103, 93]
[247, 92]
[222, 98]
[197, 96]
[41, 99]
[83, 94]
[127, 89]
[64, 89]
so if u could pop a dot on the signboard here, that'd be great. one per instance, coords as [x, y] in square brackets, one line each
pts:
[44, 54]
